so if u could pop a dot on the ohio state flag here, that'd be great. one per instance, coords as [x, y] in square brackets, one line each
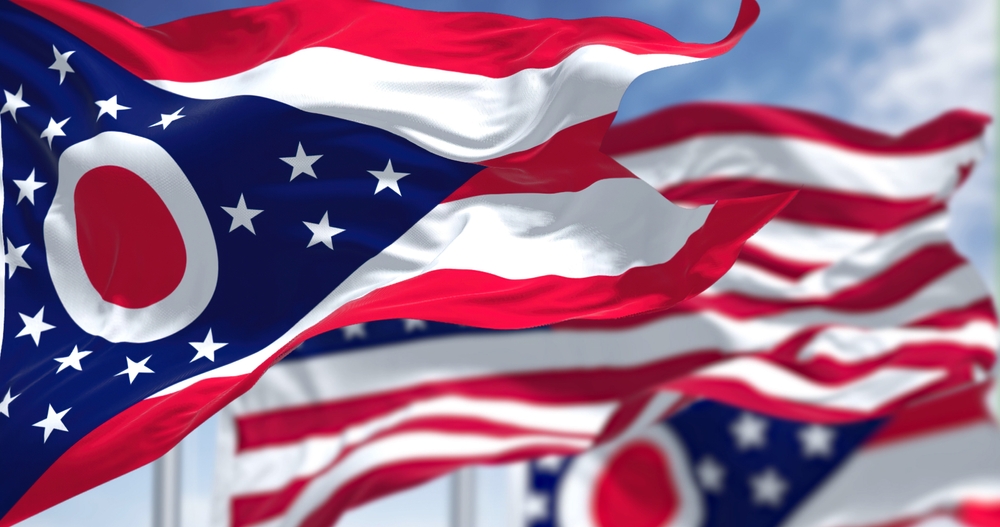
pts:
[184, 204]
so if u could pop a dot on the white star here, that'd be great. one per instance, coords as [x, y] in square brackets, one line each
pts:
[15, 258]
[301, 163]
[14, 102]
[536, 507]
[111, 107]
[27, 187]
[72, 360]
[388, 178]
[711, 475]
[354, 331]
[411, 324]
[550, 464]
[54, 130]
[242, 216]
[322, 232]
[62, 63]
[166, 119]
[5, 403]
[34, 326]
[53, 421]
[768, 488]
[206, 348]
[133, 369]
[817, 441]
[749, 431]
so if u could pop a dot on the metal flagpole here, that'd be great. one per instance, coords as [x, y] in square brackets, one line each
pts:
[167, 489]
[463, 498]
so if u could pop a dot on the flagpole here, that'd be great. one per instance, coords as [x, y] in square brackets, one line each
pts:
[463, 498]
[167, 489]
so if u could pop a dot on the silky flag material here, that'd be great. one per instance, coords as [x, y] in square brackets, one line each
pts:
[719, 465]
[185, 204]
[847, 307]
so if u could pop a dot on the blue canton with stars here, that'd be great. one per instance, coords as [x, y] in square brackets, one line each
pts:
[296, 203]
[750, 470]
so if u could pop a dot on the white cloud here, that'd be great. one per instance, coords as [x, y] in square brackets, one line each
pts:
[910, 60]
[923, 57]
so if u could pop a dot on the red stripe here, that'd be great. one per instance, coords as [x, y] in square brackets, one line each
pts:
[942, 354]
[898, 282]
[976, 513]
[981, 310]
[568, 162]
[328, 424]
[968, 513]
[817, 206]
[593, 385]
[742, 395]
[756, 256]
[255, 508]
[481, 299]
[961, 407]
[678, 123]
[217, 45]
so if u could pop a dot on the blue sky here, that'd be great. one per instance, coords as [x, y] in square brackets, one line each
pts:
[888, 65]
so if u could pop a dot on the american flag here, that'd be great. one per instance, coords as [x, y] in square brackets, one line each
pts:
[849, 306]
[185, 204]
[713, 464]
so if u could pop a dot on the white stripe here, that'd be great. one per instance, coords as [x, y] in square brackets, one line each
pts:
[271, 468]
[907, 479]
[943, 519]
[864, 394]
[443, 359]
[593, 232]
[460, 116]
[851, 345]
[412, 446]
[801, 162]
[802, 242]
[849, 271]
[571, 234]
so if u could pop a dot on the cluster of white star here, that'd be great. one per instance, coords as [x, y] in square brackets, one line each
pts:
[35, 325]
[302, 164]
[359, 331]
[767, 487]
[110, 106]
[14, 255]
[322, 233]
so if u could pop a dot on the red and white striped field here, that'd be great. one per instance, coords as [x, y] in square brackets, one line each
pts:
[851, 304]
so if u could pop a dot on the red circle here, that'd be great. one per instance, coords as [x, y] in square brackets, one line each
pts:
[635, 489]
[130, 246]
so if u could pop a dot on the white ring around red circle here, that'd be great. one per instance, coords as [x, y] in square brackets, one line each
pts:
[82, 301]
[579, 483]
